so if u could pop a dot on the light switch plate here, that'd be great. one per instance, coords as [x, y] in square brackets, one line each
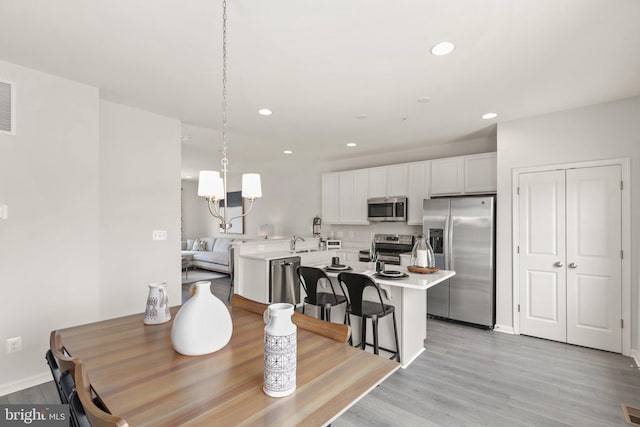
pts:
[4, 211]
[159, 234]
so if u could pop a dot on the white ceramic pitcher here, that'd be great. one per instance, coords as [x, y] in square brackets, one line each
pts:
[280, 350]
[157, 310]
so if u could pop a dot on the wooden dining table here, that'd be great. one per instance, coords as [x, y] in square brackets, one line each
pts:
[138, 375]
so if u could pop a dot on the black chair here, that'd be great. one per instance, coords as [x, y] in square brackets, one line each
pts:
[78, 416]
[63, 380]
[310, 278]
[374, 310]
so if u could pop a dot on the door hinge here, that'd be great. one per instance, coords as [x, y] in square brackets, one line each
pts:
[518, 308]
[518, 191]
[518, 248]
[621, 323]
[621, 254]
[621, 185]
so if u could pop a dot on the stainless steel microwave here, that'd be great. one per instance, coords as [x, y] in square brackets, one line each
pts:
[387, 209]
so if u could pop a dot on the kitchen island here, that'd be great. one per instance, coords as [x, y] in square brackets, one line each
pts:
[407, 294]
[409, 297]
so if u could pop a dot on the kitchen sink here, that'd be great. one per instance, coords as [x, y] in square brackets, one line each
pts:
[304, 251]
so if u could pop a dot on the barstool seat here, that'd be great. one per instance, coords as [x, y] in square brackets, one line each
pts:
[374, 310]
[310, 278]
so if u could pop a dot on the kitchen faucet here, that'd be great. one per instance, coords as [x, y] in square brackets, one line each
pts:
[294, 239]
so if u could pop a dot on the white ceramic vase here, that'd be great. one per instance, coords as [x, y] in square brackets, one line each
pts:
[280, 351]
[157, 310]
[202, 325]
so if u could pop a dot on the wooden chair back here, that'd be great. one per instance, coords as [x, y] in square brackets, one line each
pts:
[96, 416]
[66, 363]
[335, 331]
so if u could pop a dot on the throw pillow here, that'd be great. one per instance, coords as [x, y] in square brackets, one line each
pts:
[190, 243]
[202, 245]
[196, 245]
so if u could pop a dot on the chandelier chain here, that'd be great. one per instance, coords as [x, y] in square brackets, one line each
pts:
[224, 160]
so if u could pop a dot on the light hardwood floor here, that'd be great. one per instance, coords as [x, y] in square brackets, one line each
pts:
[474, 377]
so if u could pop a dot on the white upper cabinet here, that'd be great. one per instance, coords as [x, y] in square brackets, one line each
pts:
[447, 176]
[388, 181]
[480, 173]
[353, 197]
[419, 184]
[330, 198]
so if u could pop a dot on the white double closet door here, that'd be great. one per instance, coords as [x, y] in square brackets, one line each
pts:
[570, 266]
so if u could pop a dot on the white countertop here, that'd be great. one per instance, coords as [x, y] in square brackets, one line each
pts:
[414, 281]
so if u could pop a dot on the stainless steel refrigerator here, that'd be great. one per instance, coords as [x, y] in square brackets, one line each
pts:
[461, 231]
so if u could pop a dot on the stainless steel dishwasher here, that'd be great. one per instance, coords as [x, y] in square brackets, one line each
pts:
[284, 284]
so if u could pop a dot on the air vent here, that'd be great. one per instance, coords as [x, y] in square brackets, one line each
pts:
[7, 107]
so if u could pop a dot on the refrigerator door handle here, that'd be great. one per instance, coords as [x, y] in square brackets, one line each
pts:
[447, 242]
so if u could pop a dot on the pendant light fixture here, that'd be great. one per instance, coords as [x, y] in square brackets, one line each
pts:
[213, 186]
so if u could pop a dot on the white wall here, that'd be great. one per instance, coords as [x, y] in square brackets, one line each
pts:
[195, 214]
[139, 193]
[49, 244]
[603, 131]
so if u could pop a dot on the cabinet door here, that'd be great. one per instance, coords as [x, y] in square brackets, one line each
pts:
[378, 182]
[480, 173]
[330, 198]
[347, 186]
[542, 272]
[447, 176]
[397, 180]
[360, 196]
[419, 177]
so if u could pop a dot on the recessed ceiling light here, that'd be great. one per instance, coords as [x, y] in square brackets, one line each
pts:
[442, 48]
[288, 152]
[265, 112]
[489, 116]
[361, 116]
[424, 99]
[351, 144]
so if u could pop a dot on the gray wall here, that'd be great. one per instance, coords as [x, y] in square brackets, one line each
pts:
[602, 131]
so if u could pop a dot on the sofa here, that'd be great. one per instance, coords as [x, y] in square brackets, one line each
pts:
[209, 253]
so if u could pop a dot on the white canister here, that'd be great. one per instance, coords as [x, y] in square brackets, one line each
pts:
[157, 310]
[203, 323]
[280, 350]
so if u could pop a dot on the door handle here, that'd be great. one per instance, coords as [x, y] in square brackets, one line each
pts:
[573, 265]
[558, 264]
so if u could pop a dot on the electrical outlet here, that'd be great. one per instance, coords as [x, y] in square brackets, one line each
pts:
[14, 345]
[159, 235]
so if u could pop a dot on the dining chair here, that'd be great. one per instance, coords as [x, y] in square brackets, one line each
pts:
[374, 310]
[334, 331]
[96, 415]
[65, 365]
[311, 278]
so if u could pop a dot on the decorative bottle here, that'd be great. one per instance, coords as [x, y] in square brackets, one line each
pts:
[203, 323]
[280, 350]
[422, 255]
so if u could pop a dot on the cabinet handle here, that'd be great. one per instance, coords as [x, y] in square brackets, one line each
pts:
[573, 265]
[558, 264]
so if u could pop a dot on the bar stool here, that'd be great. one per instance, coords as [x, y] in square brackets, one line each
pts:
[374, 310]
[310, 277]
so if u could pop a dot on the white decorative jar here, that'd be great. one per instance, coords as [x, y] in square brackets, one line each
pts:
[157, 310]
[203, 323]
[280, 350]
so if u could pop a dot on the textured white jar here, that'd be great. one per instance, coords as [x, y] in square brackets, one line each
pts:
[203, 324]
[157, 310]
[280, 351]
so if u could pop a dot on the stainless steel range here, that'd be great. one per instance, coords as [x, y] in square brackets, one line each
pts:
[390, 247]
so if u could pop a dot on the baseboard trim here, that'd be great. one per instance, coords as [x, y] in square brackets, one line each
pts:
[31, 381]
[636, 356]
[504, 329]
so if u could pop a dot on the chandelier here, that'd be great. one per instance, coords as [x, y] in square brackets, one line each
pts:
[211, 185]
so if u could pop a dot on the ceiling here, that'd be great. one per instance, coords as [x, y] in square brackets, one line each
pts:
[334, 71]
